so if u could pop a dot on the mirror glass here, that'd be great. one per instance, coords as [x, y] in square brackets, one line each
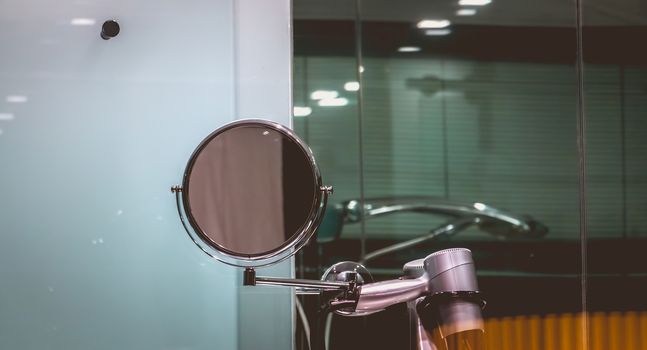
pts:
[252, 189]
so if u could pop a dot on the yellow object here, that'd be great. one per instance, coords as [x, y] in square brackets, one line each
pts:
[606, 331]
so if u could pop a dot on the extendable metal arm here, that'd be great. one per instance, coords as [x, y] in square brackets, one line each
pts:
[250, 279]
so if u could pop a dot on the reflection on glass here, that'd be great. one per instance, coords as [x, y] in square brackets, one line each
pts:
[433, 23]
[333, 102]
[466, 12]
[83, 21]
[324, 94]
[408, 49]
[476, 101]
[16, 99]
[474, 2]
[437, 32]
[615, 103]
[351, 86]
[302, 111]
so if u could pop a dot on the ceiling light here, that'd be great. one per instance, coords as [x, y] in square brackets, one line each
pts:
[408, 49]
[323, 94]
[16, 99]
[466, 12]
[433, 23]
[437, 32]
[302, 111]
[6, 116]
[474, 2]
[351, 86]
[83, 21]
[361, 69]
[333, 102]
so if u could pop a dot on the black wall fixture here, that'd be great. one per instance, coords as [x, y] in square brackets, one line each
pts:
[110, 29]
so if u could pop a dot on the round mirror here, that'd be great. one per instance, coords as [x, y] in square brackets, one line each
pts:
[252, 193]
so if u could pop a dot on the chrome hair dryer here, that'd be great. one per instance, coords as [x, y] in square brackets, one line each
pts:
[442, 292]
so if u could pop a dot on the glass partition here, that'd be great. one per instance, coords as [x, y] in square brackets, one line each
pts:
[615, 102]
[460, 104]
[93, 133]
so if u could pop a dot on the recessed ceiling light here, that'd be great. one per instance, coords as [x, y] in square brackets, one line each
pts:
[437, 32]
[6, 116]
[466, 12]
[474, 2]
[408, 49]
[302, 111]
[322, 94]
[433, 23]
[83, 21]
[16, 99]
[351, 86]
[333, 102]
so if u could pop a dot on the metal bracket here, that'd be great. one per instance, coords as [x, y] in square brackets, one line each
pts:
[250, 279]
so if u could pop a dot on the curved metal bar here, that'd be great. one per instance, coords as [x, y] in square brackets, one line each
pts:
[451, 228]
[381, 207]
[509, 223]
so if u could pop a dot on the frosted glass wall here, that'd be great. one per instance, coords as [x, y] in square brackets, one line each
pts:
[92, 135]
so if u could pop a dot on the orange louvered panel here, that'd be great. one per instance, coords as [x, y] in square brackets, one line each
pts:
[607, 331]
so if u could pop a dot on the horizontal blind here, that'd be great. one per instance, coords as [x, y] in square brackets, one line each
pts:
[499, 133]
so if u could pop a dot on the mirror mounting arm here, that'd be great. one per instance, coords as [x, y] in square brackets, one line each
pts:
[250, 279]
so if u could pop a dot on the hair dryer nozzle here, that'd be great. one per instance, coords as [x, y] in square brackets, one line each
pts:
[453, 302]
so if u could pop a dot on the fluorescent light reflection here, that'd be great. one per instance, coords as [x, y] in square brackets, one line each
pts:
[361, 69]
[323, 94]
[83, 21]
[16, 99]
[333, 102]
[408, 49]
[466, 12]
[474, 2]
[302, 111]
[433, 23]
[351, 86]
[437, 32]
[6, 116]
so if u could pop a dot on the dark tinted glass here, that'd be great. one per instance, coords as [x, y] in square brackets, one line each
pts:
[250, 189]
[470, 101]
[614, 90]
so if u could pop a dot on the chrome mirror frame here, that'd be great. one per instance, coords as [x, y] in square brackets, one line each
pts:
[289, 247]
